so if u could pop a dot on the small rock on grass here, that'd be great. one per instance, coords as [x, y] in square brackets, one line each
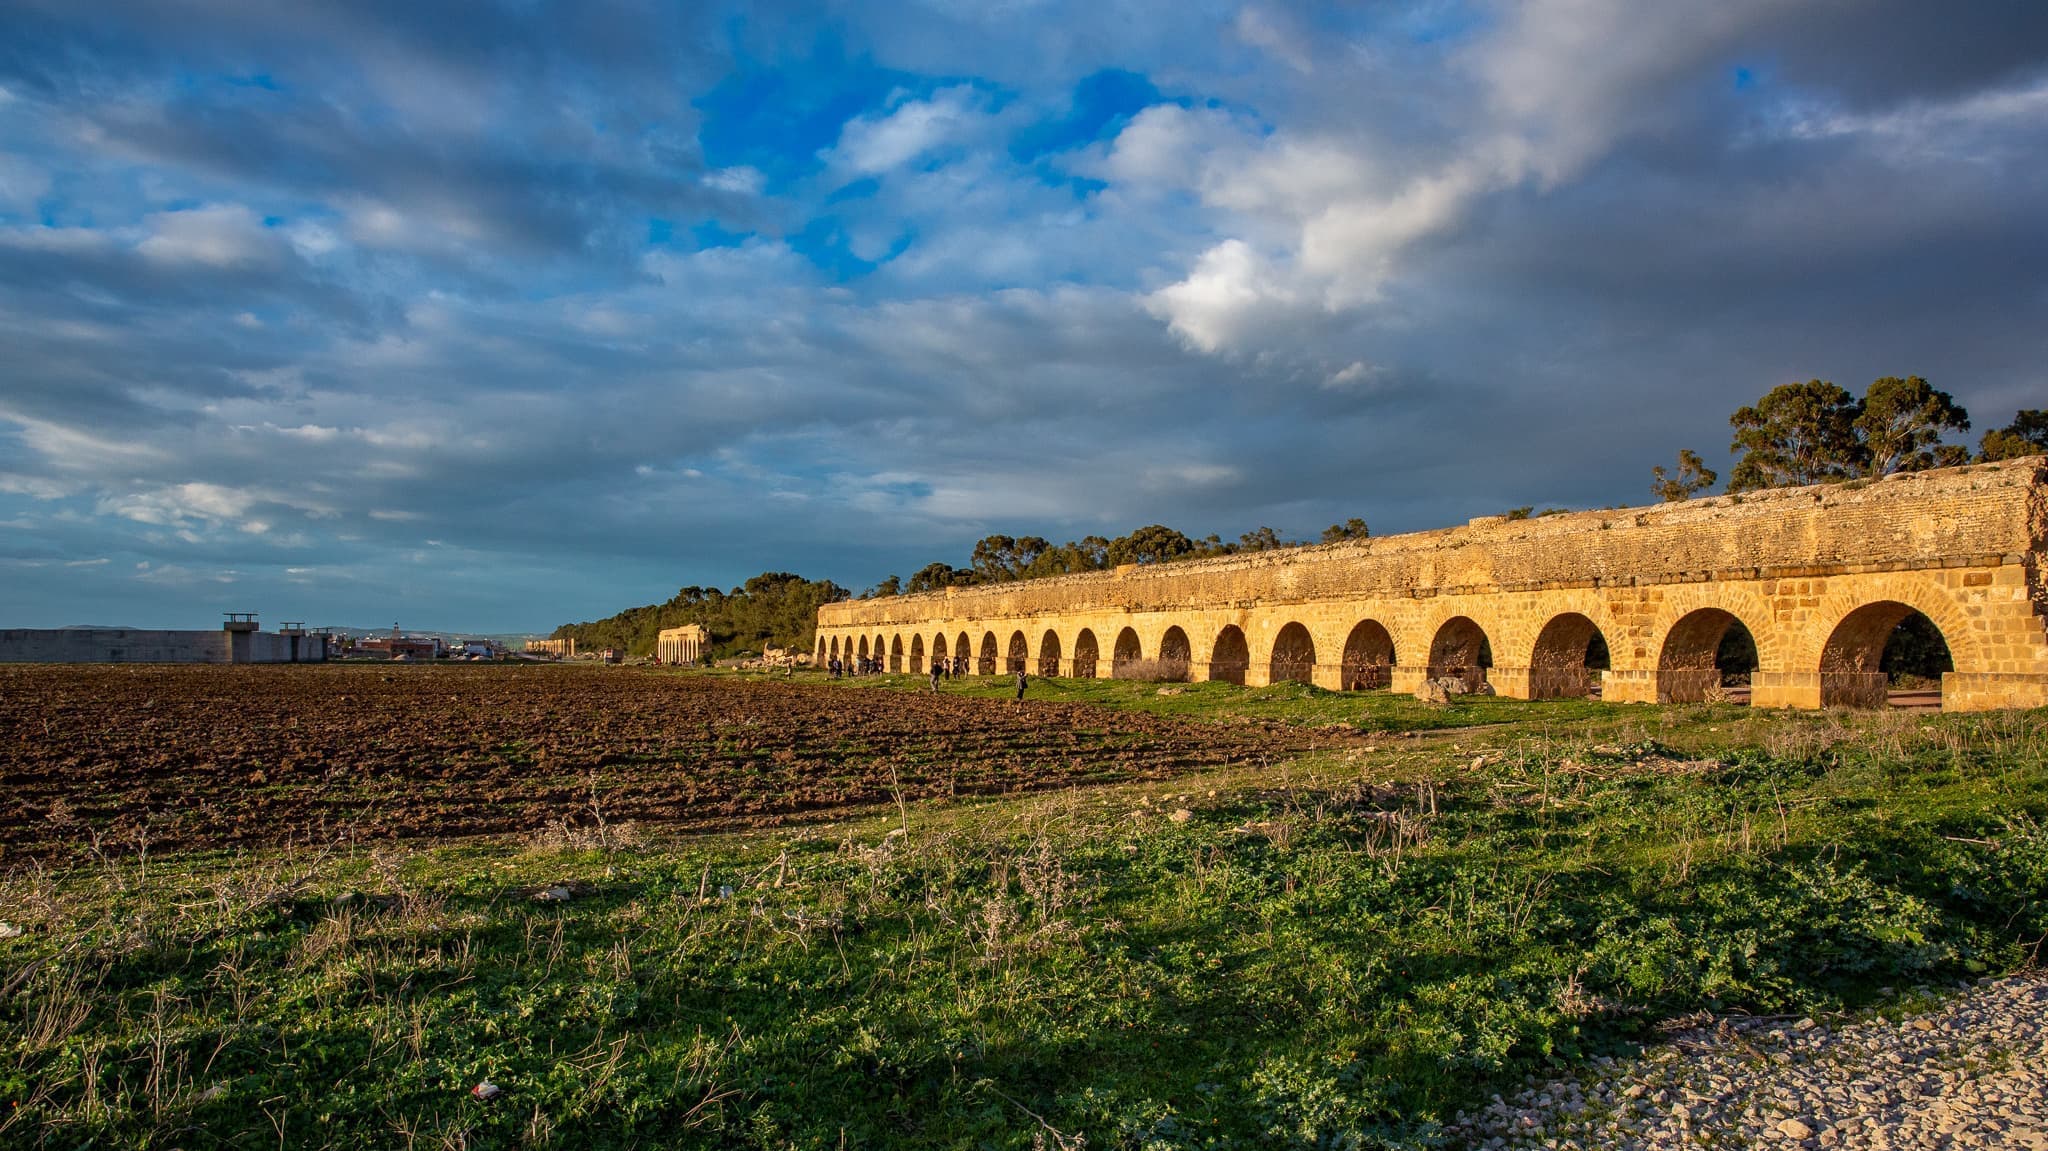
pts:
[552, 895]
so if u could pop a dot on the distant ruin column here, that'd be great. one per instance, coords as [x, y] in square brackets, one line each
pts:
[682, 645]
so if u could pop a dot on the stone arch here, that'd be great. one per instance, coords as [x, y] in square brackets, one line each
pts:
[1049, 653]
[832, 648]
[1294, 656]
[941, 658]
[1231, 657]
[1019, 654]
[1706, 651]
[1918, 591]
[819, 658]
[896, 655]
[917, 655]
[1853, 664]
[881, 654]
[1175, 654]
[986, 665]
[962, 652]
[1460, 650]
[1126, 652]
[863, 647]
[1085, 655]
[1570, 652]
[1368, 656]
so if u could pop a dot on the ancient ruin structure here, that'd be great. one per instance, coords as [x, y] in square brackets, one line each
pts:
[683, 645]
[1646, 604]
[559, 648]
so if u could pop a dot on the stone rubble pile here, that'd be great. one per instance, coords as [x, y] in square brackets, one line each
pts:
[1972, 1074]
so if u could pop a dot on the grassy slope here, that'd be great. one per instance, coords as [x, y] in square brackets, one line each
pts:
[1350, 944]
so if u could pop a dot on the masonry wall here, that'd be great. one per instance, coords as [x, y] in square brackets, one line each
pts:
[1962, 545]
[139, 645]
[112, 645]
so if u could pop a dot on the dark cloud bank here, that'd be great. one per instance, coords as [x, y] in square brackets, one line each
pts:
[493, 317]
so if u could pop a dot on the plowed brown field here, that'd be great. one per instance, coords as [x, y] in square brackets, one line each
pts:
[207, 757]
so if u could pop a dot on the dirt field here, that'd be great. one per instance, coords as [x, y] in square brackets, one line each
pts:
[200, 757]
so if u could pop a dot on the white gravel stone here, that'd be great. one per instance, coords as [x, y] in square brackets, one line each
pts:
[1972, 1073]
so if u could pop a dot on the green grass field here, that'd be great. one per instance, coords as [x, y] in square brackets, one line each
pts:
[1337, 950]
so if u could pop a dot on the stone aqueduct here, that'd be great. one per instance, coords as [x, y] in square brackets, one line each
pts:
[1819, 577]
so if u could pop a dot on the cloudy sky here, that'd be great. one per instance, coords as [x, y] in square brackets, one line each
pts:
[494, 316]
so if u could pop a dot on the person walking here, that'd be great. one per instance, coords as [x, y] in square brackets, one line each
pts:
[1020, 685]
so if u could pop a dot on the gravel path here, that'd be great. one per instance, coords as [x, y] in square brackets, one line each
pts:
[1973, 1073]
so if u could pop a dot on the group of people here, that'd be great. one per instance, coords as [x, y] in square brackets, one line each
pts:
[941, 669]
[840, 667]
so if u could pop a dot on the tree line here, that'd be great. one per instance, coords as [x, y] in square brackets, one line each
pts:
[1003, 559]
[1817, 432]
[774, 609]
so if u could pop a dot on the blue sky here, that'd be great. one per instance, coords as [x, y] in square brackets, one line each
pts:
[495, 316]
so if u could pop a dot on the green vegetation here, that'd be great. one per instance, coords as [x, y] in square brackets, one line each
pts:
[772, 609]
[1815, 432]
[1332, 951]
[1002, 559]
[2027, 435]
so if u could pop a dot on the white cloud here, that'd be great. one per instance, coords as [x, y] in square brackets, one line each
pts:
[21, 183]
[169, 506]
[1219, 302]
[741, 180]
[1965, 128]
[1166, 148]
[1559, 82]
[872, 145]
[61, 241]
[218, 235]
[1355, 377]
[1264, 29]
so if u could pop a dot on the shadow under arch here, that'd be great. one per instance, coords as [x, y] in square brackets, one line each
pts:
[1049, 653]
[1368, 656]
[986, 665]
[1126, 652]
[1460, 651]
[1570, 653]
[1231, 657]
[1175, 655]
[1018, 655]
[1708, 654]
[917, 655]
[963, 651]
[896, 655]
[1878, 645]
[1085, 655]
[1294, 656]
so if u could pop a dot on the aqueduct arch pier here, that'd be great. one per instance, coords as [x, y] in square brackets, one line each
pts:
[1637, 604]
